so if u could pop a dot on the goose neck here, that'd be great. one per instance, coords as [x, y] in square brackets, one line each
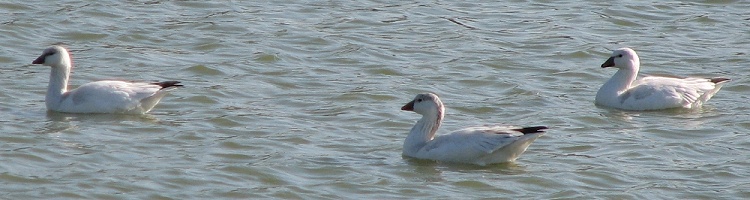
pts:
[422, 132]
[58, 82]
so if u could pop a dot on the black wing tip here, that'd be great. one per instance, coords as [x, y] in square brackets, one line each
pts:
[168, 84]
[531, 129]
[719, 80]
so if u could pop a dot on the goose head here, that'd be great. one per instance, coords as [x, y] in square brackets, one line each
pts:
[622, 58]
[53, 56]
[426, 104]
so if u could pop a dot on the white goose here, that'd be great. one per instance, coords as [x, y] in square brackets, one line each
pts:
[475, 145]
[100, 96]
[651, 92]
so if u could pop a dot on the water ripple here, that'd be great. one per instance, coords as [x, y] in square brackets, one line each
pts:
[299, 100]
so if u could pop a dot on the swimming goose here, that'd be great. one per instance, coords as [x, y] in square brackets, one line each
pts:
[651, 92]
[100, 96]
[475, 145]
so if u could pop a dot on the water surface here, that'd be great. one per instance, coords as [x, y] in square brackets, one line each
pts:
[301, 100]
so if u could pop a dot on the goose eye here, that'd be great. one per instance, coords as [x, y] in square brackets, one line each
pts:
[419, 100]
[619, 55]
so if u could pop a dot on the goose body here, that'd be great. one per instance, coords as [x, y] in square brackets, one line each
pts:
[623, 91]
[107, 96]
[474, 145]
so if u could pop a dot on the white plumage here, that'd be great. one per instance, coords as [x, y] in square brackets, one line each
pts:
[100, 96]
[623, 91]
[475, 145]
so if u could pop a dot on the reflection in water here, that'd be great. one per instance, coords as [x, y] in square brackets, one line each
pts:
[59, 122]
[685, 118]
[619, 114]
[432, 167]
[57, 116]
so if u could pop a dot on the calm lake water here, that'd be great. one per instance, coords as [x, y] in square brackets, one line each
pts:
[301, 100]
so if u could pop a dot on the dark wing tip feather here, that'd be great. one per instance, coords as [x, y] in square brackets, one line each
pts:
[168, 84]
[719, 80]
[532, 129]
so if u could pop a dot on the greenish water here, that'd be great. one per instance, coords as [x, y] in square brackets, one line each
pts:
[301, 100]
